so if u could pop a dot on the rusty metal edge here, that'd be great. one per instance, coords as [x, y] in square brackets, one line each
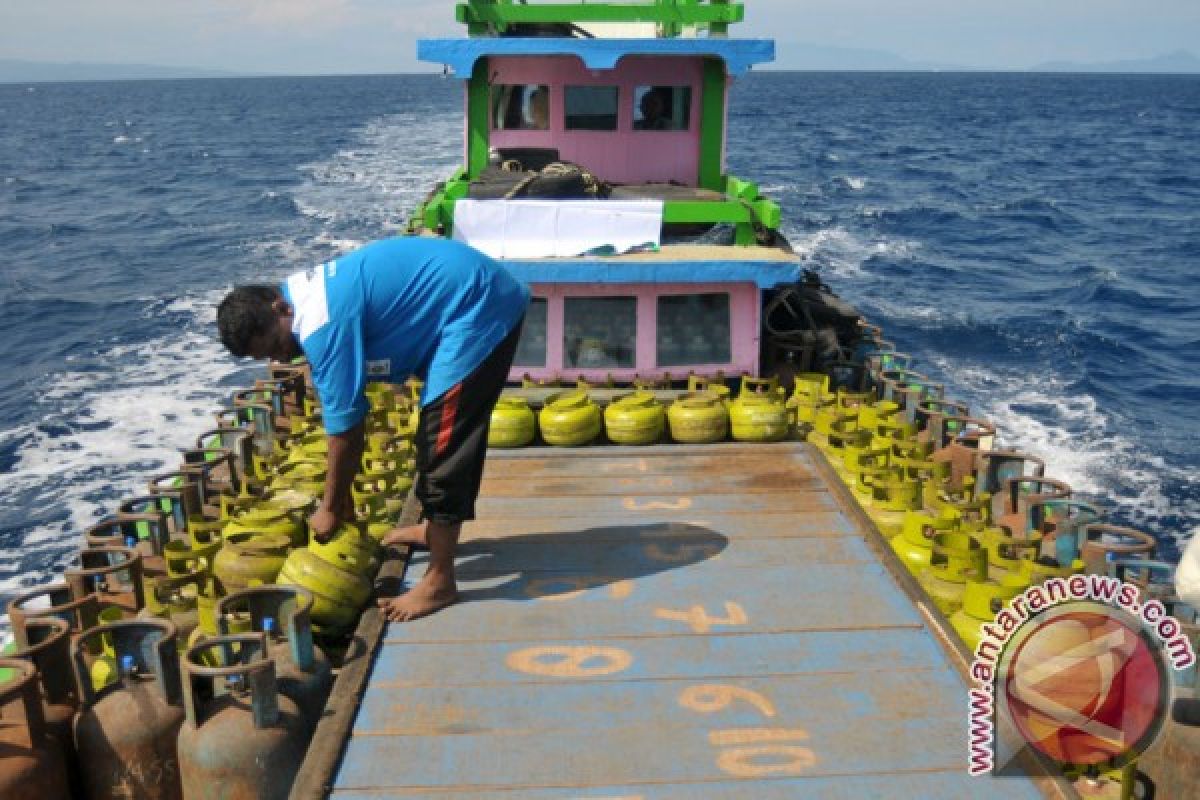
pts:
[315, 779]
[1044, 775]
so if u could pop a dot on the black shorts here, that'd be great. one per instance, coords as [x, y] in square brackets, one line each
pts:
[452, 435]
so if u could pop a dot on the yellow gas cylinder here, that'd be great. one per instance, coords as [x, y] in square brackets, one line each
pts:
[513, 423]
[249, 559]
[183, 558]
[698, 418]
[982, 600]
[636, 418]
[914, 545]
[1007, 555]
[955, 558]
[871, 414]
[758, 413]
[570, 419]
[104, 669]
[303, 476]
[1043, 568]
[349, 548]
[173, 598]
[311, 447]
[699, 383]
[338, 594]
[268, 520]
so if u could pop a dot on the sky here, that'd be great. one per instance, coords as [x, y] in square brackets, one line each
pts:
[306, 37]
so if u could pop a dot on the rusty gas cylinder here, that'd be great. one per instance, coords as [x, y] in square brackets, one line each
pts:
[31, 766]
[283, 615]
[53, 600]
[242, 737]
[49, 650]
[125, 732]
[113, 573]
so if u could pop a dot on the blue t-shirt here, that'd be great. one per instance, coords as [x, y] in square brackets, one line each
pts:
[420, 306]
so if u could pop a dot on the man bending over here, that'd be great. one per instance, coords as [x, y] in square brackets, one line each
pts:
[428, 307]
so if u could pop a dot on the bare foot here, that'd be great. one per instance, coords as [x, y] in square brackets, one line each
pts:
[429, 595]
[409, 534]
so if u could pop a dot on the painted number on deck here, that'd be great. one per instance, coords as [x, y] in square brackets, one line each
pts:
[699, 620]
[566, 661]
[708, 698]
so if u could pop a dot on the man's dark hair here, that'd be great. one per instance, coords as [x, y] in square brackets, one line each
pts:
[245, 313]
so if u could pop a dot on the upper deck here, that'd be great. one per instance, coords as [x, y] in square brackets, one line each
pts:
[666, 622]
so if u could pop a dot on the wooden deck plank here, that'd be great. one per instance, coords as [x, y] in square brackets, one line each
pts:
[637, 624]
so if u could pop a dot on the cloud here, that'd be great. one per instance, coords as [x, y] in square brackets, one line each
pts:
[295, 15]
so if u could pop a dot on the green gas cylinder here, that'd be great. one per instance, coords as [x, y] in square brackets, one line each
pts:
[125, 733]
[636, 418]
[570, 419]
[241, 737]
[513, 423]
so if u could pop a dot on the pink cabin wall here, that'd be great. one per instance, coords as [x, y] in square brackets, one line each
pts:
[744, 311]
[624, 155]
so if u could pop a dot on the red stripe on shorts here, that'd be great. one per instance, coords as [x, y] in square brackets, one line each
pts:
[449, 412]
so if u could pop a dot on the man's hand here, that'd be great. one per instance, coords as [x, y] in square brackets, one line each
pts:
[323, 523]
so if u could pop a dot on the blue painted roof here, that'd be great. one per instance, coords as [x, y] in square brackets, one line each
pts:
[461, 54]
[765, 274]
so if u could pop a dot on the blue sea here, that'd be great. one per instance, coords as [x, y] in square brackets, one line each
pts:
[1033, 240]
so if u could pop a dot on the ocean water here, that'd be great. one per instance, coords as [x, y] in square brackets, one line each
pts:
[1031, 239]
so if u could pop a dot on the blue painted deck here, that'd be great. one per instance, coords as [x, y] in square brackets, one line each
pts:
[668, 622]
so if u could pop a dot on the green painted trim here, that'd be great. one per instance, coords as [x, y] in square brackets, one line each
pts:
[478, 128]
[712, 125]
[671, 12]
[705, 211]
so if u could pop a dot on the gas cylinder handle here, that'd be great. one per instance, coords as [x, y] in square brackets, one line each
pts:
[151, 645]
[289, 605]
[1012, 489]
[25, 687]
[1123, 566]
[79, 578]
[49, 650]
[79, 611]
[245, 657]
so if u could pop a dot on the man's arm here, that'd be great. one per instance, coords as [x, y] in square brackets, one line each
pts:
[345, 455]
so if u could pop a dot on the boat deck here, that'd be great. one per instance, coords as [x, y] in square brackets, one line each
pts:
[665, 622]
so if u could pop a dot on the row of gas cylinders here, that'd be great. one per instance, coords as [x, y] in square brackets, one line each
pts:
[230, 716]
[706, 413]
[206, 545]
[975, 525]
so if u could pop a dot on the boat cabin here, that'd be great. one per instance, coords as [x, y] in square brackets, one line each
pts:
[594, 167]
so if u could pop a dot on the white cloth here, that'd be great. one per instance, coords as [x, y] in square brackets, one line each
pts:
[1187, 574]
[528, 228]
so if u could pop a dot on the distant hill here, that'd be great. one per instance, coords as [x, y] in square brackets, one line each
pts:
[14, 71]
[1179, 61]
[808, 56]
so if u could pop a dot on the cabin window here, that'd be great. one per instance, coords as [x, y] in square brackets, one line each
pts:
[662, 108]
[599, 332]
[591, 108]
[531, 348]
[693, 329]
[520, 107]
